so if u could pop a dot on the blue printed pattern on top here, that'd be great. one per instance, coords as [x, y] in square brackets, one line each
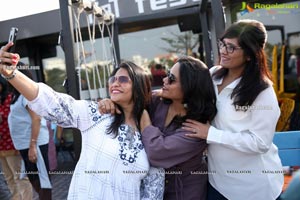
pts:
[130, 144]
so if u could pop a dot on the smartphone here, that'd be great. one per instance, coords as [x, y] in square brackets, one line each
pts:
[13, 38]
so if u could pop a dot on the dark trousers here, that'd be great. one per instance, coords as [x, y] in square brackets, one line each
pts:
[213, 194]
[44, 194]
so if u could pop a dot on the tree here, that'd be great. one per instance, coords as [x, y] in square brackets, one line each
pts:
[181, 43]
[55, 78]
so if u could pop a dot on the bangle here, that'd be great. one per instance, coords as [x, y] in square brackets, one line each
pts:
[13, 75]
[33, 140]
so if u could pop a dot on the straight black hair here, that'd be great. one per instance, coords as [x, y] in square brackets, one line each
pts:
[252, 37]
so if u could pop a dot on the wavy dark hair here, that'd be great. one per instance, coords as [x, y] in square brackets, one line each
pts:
[15, 92]
[141, 95]
[252, 37]
[199, 96]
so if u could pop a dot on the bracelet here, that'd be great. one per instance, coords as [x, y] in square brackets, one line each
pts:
[33, 140]
[13, 75]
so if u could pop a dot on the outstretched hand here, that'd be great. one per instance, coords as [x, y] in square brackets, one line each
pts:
[197, 129]
[8, 61]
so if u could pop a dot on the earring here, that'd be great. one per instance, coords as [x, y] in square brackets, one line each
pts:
[185, 105]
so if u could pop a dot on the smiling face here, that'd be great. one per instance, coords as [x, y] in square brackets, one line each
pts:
[172, 85]
[233, 60]
[120, 90]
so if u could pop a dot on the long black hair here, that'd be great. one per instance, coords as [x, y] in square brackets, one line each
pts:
[199, 96]
[141, 95]
[252, 37]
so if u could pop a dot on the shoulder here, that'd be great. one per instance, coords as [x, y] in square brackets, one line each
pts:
[267, 97]
[94, 114]
[214, 69]
[155, 99]
[92, 109]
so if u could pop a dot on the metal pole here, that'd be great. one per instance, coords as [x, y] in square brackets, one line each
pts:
[67, 40]
[116, 43]
[218, 15]
[205, 33]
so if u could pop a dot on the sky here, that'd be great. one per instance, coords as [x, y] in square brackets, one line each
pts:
[23, 8]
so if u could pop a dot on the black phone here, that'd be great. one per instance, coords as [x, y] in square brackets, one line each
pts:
[13, 38]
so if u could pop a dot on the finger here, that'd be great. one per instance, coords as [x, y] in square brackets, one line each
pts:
[7, 46]
[5, 60]
[118, 111]
[191, 121]
[100, 106]
[191, 129]
[103, 106]
[193, 135]
[33, 159]
[111, 107]
[188, 125]
[9, 58]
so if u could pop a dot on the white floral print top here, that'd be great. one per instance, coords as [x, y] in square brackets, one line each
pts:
[109, 167]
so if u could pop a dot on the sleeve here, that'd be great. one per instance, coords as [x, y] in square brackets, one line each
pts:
[258, 136]
[24, 101]
[61, 108]
[167, 151]
[153, 185]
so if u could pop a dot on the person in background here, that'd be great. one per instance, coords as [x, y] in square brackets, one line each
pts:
[187, 92]
[10, 158]
[158, 73]
[51, 146]
[30, 136]
[243, 163]
[113, 160]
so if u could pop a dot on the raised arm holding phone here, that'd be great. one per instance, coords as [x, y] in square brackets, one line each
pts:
[113, 162]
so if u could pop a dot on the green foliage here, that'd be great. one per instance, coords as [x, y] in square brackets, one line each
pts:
[182, 43]
[55, 78]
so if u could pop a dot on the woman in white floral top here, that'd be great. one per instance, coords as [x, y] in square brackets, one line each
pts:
[113, 161]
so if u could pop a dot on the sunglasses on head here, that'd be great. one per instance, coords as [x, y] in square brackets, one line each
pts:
[171, 77]
[120, 79]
